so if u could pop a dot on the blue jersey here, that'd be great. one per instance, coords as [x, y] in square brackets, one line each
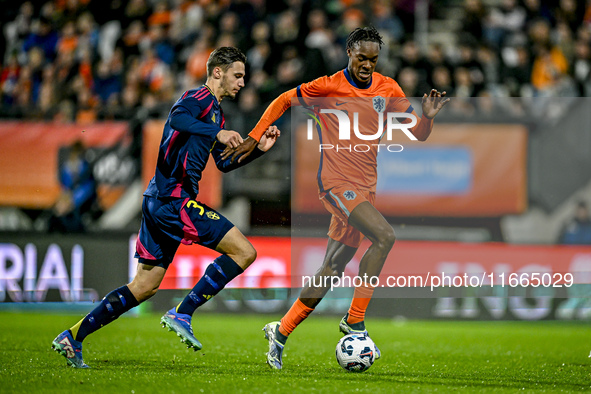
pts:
[189, 137]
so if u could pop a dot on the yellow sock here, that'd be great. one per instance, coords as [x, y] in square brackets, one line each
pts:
[75, 328]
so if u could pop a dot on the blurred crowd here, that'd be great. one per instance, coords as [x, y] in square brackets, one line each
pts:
[82, 60]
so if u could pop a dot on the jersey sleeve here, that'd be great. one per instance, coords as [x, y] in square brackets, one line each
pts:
[319, 87]
[399, 103]
[187, 116]
[272, 113]
[316, 88]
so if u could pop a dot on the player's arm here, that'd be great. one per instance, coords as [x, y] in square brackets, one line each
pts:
[266, 142]
[184, 117]
[271, 114]
[431, 104]
[316, 88]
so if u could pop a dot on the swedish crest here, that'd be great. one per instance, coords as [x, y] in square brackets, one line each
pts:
[379, 104]
[212, 215]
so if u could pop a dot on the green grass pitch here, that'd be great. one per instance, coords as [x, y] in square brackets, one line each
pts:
[135, 355]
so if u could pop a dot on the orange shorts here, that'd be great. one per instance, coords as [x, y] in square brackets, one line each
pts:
[340, 202]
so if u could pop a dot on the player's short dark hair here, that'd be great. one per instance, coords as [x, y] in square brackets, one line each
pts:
[224, 57]
[368, 33]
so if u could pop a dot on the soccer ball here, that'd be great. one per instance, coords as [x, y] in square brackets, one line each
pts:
[356, 352]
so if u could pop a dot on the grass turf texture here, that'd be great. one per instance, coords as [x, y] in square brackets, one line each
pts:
[134, 354]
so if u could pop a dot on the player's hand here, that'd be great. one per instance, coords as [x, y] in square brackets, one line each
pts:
[242, 151]
[230, 138]
[433, 103]
[269, 138]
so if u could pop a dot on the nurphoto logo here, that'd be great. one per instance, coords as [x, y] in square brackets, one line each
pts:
[319, 118]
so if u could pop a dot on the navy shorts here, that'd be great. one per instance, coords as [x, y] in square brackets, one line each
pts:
[167, 223]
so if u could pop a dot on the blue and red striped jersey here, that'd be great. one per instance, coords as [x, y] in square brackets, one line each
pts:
[188, 138]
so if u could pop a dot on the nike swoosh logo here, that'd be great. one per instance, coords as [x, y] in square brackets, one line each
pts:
[344, 102]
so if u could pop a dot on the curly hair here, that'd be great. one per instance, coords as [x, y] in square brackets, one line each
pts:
[368, 33]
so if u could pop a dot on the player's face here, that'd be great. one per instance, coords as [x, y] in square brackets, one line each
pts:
[233, 80]
[363, 58]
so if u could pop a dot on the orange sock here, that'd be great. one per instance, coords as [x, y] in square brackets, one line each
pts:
[361, 297]
[296, 314]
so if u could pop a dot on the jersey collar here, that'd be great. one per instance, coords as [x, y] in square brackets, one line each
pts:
[352, 81]
[215, 99]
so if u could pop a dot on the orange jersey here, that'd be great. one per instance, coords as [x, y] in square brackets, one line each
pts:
[352, 160]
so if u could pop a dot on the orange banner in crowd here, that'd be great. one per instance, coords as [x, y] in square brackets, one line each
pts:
[462, 170]
[210, 185]
[29, 158]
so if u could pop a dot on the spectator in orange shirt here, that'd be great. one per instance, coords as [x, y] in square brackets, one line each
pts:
[161, 15]
[68, 40]
[549, 67]
[195, 68]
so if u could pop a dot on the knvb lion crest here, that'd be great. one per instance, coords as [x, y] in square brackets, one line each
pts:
[350, 195]
[379, 104]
